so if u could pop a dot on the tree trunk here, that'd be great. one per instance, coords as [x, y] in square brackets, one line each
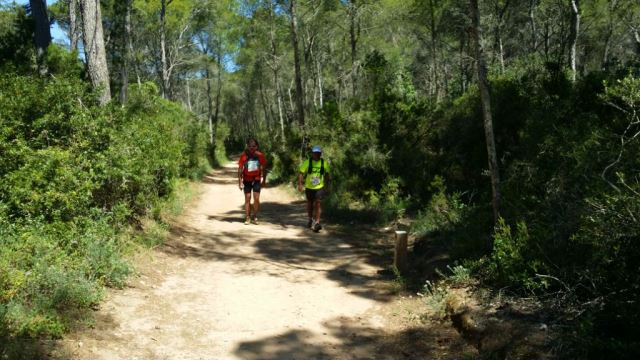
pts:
[573, 35]
[73, 25]
[209, 106]
[353, 40]
[296, 59]
[166, 84]
[131, 51]
[276, 80]
[292, 108]
[265, 108]
[498, 30]
[434, 52]
[281, 117]
[94, 48]
[607, 46]
[188, 86]
[42, 31]
[485, 96]
[463, 67]
[126, 53]
[636, 37]
[321, 95]
[532, 22]
[216, 113]
[547, 40]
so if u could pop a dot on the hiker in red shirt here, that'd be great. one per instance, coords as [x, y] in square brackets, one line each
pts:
[251, 167]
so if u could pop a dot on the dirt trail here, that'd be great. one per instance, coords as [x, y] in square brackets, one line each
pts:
[220, 289]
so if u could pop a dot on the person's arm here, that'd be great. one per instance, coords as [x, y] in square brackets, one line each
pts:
[327, 179]
[302, 170]
[263, 169]
[240, 171]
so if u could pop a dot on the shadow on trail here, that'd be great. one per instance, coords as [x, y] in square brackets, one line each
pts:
[287, 256]
[225, 175]
[19, 348]
[285, 215]
[358, 341]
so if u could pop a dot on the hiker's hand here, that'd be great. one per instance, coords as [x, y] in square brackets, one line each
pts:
[299, 188]
[240, 185]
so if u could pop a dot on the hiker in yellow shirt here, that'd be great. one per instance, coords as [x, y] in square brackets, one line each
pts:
[317, 180]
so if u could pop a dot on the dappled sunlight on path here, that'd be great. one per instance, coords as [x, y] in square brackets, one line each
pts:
[219, 289]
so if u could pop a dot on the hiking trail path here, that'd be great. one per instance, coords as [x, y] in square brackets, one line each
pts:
[219, 289]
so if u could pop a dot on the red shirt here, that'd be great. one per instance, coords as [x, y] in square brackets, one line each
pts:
[254, 165]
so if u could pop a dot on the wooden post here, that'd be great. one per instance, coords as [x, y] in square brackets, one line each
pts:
[400, 255]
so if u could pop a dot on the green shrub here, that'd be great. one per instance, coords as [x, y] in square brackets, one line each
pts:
[443, 212]
[42, 279]
[511, 262]
[74, 177]
[50, 184]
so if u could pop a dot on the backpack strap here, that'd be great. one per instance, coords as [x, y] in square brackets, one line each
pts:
[321, 167]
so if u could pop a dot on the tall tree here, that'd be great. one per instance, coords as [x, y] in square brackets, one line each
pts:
[42, 30]
[127, 51]
[296, 56]
[274, 64]
[501, 7]
[354, 34]
[485, 98]
[573, 35]
[532, 24]
[73, 25]
[163, 37]
[166, 81]
[215, 37]
[94, 50]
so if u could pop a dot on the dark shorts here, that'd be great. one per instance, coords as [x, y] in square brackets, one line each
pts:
[251, 185]
[314, 194]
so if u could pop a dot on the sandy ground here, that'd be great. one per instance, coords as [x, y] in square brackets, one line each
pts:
[219, 289]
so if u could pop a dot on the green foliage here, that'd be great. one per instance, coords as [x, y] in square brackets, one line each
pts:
[63, 63]
[47, 185]
[443, 212]
[73, 176]
[459, 275]
[16, 34]
[43, 277]
[510, 261]
[568, 160]
[435, 296]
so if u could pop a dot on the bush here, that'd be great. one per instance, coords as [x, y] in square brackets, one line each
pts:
[73, 177]
[511, 260]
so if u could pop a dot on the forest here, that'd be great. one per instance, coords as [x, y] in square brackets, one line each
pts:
[507, 132]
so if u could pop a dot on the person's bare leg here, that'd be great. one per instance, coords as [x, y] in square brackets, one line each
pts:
[310, 209]
[247, 205]
[256, 204]
[318, 210]
[310, 213]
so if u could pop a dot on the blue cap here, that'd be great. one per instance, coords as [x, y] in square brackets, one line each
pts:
[316, 149]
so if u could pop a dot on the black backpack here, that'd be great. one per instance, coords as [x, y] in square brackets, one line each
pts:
[321, 167]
